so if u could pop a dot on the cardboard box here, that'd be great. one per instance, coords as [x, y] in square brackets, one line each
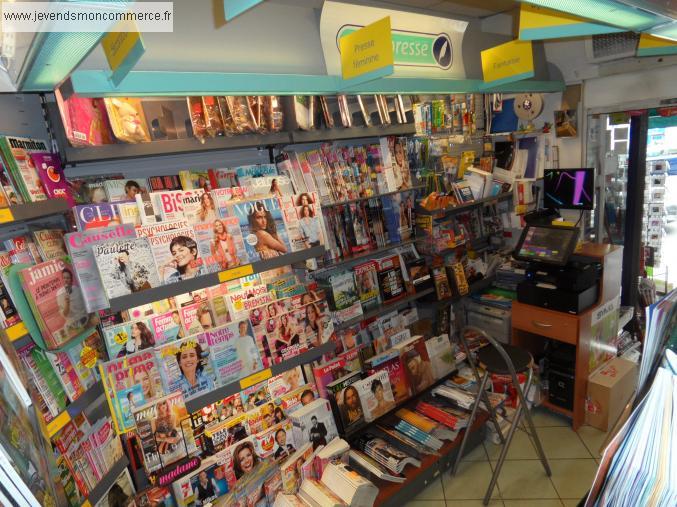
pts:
[609, 390]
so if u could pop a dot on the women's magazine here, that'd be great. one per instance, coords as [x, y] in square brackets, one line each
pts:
[176, 255]
[220, 243]
[126, 266]
[185, 366]
[263, 229]
[166, 326]
[55, 297]
[233, 351]
[129, 337]
[163, 427]
[376, 395]
[129, 382]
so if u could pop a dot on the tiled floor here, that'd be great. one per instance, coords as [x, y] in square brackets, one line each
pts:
[523, 483]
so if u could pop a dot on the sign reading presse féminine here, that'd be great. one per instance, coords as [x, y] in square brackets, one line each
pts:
[367, 50]
[509, 62]
[422, 46]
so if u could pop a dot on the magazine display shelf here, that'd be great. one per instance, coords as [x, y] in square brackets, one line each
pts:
[200, 282]
[96, 494]
[442, 213]
[364, 255]
[92, 397]
[72, 155]
[385, 308]
[378, 196]
[343, 133]
[393, 494]
[32, 210]
[219, 393]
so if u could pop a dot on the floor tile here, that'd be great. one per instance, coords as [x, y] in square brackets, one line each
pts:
[544, 418]
[570, 502]
[432, 491]
[426, 503]
[573, 477]
[477, 454]
[520, 448]
[525, 479]
[473, 503]
[592, 438]
[470, 483]
[552, 502]
[562, 443]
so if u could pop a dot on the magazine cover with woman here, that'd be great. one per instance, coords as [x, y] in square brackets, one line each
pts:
[55, 297]
[263, 229]
[176, 255]
[128, 337]
[126, 266]
[220, 243]
[130, 382]
[233, 351]
[163, 428]
[185, 366]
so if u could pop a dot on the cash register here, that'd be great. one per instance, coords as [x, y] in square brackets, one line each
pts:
[556, 278]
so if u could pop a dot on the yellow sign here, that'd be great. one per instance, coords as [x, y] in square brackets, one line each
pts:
[542, 23]
[239, 272]
[256, 378]
[57, 423]
[16, 331]
[123, 49]
[650, 45]
[6, 215]
[86, 504]
[512, 61]
[367, 50]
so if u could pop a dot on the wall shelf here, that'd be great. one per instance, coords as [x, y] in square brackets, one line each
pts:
[441, 213]
[377, 196]
[200, 282]
[340, 133]
[33, 210]
[385, 308]
[221, 392]
[364, 256]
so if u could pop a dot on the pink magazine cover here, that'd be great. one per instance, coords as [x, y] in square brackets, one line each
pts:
[166, 326]
[54, 292]
[85, 120]
[50, 172]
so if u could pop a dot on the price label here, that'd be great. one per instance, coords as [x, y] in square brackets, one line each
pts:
[59, 422]
[16, 331]
[238, 272]
[256, 378]
[6, 215]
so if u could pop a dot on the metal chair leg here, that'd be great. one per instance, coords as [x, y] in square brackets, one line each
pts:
[532, 428]
[466, 433]
[482, 393]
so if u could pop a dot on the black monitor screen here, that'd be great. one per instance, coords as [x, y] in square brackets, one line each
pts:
[569, 188]
[549, 244]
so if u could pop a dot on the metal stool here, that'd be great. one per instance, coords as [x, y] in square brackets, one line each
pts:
[501, 359]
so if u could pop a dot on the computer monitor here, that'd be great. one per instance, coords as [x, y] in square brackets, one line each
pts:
[569, 188]
[546, 243]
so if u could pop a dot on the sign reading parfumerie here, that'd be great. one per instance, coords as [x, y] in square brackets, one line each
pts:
[367, 50]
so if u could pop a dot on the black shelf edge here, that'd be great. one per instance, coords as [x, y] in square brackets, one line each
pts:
[365, 255]
[234, 387]
[86, 399]
[33, 210]
[461, 207]
[200, 282]
[97, 493]
[339, 133]
[384, 309]
[378, 196]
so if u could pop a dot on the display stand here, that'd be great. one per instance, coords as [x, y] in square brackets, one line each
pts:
[531, 324]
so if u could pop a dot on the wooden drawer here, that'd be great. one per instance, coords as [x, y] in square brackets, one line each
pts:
[557, 325]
